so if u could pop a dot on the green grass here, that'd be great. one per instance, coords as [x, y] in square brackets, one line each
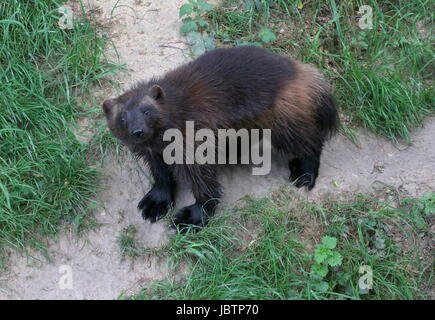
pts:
[392, 237]
[128, 243]
[383, 76]
[45, 173]
[265, 250]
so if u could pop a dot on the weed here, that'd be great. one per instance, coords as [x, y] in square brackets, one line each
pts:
[325, 257]
[194, 26]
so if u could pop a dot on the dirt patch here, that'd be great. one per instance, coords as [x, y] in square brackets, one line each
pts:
[148, 42]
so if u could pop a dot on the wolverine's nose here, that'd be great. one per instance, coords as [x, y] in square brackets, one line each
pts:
[137, 133]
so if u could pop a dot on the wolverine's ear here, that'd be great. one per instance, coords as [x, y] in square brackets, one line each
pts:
[108, 105]
[157, 93]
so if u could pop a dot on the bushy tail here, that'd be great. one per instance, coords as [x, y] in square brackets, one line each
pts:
[327, 118]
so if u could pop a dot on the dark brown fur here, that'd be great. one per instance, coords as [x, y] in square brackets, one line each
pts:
[243, 87]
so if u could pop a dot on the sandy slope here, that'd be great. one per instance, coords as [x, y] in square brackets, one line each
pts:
[148, 42]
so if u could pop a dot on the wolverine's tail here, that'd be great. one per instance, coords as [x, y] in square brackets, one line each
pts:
[325, 110]
[326, 115]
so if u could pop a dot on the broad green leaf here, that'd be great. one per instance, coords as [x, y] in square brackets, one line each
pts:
[266, 35]
[196, 42]
[204, 6]
[335, 259]
[209, 43]
[300, 4]
[319, 269]
[320, 255]
[194, 37]
[329, 242]
[188, 27]
[185, 10]
[198, 49]
[379, 243]
[186, 20]
[201, 22]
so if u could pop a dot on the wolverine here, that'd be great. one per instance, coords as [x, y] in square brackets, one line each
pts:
[244, 87]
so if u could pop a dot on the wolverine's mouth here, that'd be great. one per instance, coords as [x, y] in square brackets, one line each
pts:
[135, 140]
[131, 142]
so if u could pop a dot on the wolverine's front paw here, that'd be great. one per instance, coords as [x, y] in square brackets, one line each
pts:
[155, 204]
[193, 215]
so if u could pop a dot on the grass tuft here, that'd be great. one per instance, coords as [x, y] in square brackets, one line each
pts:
[265, 250]
[45, 175]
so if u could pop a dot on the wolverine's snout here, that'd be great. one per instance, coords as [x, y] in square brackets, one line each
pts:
[137, 133]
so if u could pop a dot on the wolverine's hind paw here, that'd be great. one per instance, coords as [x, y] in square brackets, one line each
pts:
[304, 180]
[193, 215]
[155, 204]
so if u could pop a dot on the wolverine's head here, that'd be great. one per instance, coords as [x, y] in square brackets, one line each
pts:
[133, 116]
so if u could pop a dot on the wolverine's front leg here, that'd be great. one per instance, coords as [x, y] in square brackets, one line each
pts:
[156, 203]
[207, 192]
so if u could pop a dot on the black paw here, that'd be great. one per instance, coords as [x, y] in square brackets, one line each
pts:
[304, 173]
[155, 204]
[193, 215]
[303, 180]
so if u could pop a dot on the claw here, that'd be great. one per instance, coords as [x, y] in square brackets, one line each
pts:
[155, 204]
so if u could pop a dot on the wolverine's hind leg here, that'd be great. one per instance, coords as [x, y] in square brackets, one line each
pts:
[304, 171]
[304, 165]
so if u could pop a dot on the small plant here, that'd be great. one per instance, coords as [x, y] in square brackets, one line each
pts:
[325, 257]
[128, 244]
[195, 27]
[266, 35]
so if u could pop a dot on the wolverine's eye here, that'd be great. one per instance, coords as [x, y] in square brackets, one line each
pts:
[146, 112]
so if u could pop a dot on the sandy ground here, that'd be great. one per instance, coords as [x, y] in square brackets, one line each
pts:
[148, 42]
